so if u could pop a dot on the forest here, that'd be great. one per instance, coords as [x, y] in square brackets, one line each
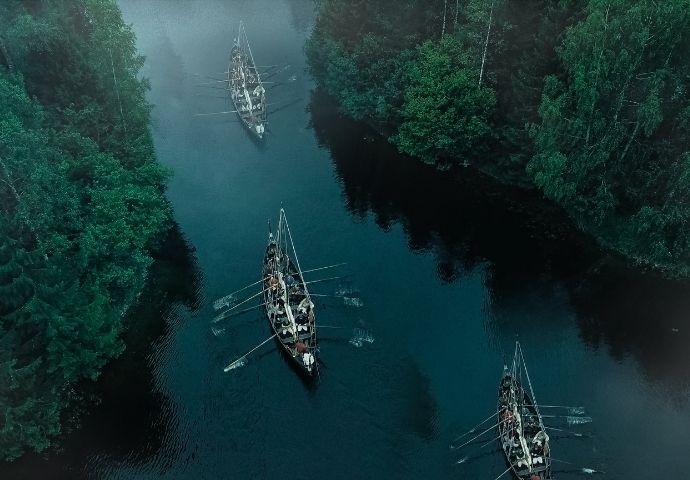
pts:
[585, 100]
[82, 205]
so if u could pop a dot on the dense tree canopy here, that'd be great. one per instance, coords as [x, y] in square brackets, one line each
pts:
[445, 115]
[586, 100]
[612, 145]
[81, 204]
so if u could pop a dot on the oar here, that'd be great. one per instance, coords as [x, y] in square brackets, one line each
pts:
[324, 268]
[571, 419]
[566, 416]
[554, 406]
[473, 454]
[477, 436]
[225, 313]
[211, 86]
[574, 409]
[489, 442]
[230, 366]
[325, 295]
[508, 470]
[264, 279]
[474, 429]
[325, 279]
[238, 291]
[245, 310]
[214, 113]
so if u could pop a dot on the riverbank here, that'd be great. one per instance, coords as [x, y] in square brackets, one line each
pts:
[83, 210]
[478, 87]
[447, 283]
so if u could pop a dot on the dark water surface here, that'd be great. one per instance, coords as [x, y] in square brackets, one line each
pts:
[451, 269]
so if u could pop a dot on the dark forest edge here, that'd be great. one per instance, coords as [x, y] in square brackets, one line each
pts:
[82, 205]
[585, 100]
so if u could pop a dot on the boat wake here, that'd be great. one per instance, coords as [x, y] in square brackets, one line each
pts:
[578, 420]
[224, 302]
[346, 290]
[361, 336]
[217, 331]
[353, 302]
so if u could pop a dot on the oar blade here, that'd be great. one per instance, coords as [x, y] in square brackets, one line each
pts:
[240, 362]
[224, 302]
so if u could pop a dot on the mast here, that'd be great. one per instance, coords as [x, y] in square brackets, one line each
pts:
[531, 390]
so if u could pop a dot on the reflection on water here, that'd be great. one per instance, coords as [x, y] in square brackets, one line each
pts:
[459, 267]
[643, 316]
[528, 247]
[461, 216]
[129, 419]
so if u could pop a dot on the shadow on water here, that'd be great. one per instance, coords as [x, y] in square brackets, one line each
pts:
[461, 216]
[642, 316]
[529, 249]
[128, 418]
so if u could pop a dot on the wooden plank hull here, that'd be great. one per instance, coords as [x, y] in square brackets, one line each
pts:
[510, 421]
[246, 89]
[289, 313]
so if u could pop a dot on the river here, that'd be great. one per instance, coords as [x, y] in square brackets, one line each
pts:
[449, 269]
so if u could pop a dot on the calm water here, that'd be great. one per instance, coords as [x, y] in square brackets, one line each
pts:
[451, 270]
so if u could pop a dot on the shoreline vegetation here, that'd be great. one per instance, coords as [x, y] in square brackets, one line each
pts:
[82, 209]
[584, 100]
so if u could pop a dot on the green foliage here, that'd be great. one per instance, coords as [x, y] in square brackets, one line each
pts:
[360, 52]
[586, 100]
[387, 64]
[446, 114]
[612, 145]
[81, 204]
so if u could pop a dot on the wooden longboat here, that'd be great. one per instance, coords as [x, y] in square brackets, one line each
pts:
[523, 437]
[288, 305]
[245, 86]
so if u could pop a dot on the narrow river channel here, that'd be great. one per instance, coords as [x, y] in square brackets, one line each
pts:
[448, 270]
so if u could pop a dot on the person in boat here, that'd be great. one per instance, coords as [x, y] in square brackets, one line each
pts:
[273, 283]
[304, 305]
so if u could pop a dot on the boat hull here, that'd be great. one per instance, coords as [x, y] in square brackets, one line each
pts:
[288, 342]
[245, 88]
[541, 472]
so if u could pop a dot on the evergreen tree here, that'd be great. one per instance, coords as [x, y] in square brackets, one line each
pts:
[612, 145]
[81, 204]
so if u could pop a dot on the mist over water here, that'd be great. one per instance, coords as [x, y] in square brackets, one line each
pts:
[449, 269]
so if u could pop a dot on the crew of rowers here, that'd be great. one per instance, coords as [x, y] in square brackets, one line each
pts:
[301, 308]
[249, 95]
[523, 436]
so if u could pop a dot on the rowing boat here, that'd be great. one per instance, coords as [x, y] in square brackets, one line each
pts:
[523, 436]
[287, 301]
[245, 86]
